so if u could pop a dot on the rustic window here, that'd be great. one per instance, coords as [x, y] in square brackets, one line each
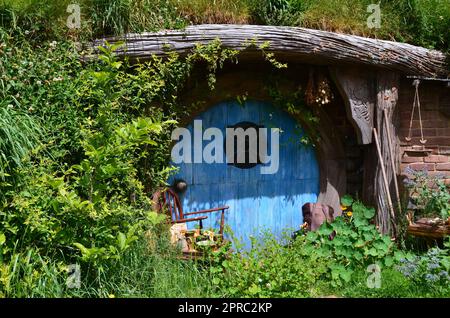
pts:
[246, 164]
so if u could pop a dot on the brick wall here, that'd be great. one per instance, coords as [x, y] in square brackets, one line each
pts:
[435, 107]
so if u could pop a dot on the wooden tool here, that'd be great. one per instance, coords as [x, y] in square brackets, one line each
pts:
[386, 185]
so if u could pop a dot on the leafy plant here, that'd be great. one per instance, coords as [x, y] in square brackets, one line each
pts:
[430, 270]
[351, 242]
[429, 193]
[269, 269]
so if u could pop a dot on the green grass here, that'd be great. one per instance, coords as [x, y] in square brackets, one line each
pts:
[19, 134]
[393, 285]
[419, 22]
[139, 273]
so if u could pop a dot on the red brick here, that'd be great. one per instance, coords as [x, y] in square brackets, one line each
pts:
[422, 166]
[426, 132]
[443, 166]
[431, 105]
[408, 159]
[445, 174]
[436, 158]
[437, 141]
[443, 132]
[444, 151]
[426, 115]
[430, 115]
[433, 123]
[431, 141]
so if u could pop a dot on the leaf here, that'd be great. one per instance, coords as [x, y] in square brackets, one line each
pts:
[254, 289]
[2, 239]
[372, 252]
[388, 261]
[325, 229]
[82, 248]
[121, 241]
[369, 213]
[346, 274]
[346, 200]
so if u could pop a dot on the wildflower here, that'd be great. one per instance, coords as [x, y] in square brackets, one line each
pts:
[38, 82]
[343, 207]
[57, 79]
[431, 277]
[433, 266]
[10, 106]
[53, 44]
[349, 214]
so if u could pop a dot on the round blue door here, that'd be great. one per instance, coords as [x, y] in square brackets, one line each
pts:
[259, 200]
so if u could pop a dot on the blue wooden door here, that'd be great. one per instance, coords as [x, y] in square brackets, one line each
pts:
[257, 201]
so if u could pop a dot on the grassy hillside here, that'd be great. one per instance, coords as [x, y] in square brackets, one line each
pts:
[84, 145]
[421, 22]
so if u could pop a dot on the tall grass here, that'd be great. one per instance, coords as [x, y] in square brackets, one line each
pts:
[214, 11]
[31, 275]
[149, 272]
[139, 273]
[19, 134]
[420, 22]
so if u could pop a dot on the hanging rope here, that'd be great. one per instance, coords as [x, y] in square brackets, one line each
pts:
[416, 102]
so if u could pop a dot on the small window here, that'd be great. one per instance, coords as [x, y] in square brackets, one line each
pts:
[246, 164]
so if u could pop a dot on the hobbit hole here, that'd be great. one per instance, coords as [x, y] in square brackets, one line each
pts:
[358, 136]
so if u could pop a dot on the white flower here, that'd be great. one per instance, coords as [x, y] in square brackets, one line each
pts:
[10, 106]
[38, 82]
[53, 44]
[27, 32]
[57, 79]
[30, 109]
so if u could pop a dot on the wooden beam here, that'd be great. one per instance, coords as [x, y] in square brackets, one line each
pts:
[358, 91]
[291, 42]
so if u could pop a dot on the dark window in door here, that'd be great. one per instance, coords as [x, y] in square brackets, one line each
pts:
[247, 164]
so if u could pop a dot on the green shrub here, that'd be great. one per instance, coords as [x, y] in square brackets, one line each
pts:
[356, 244]
[269, 269]
[429, 193]
[414, 276]
[392, 284]
[430, 271]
